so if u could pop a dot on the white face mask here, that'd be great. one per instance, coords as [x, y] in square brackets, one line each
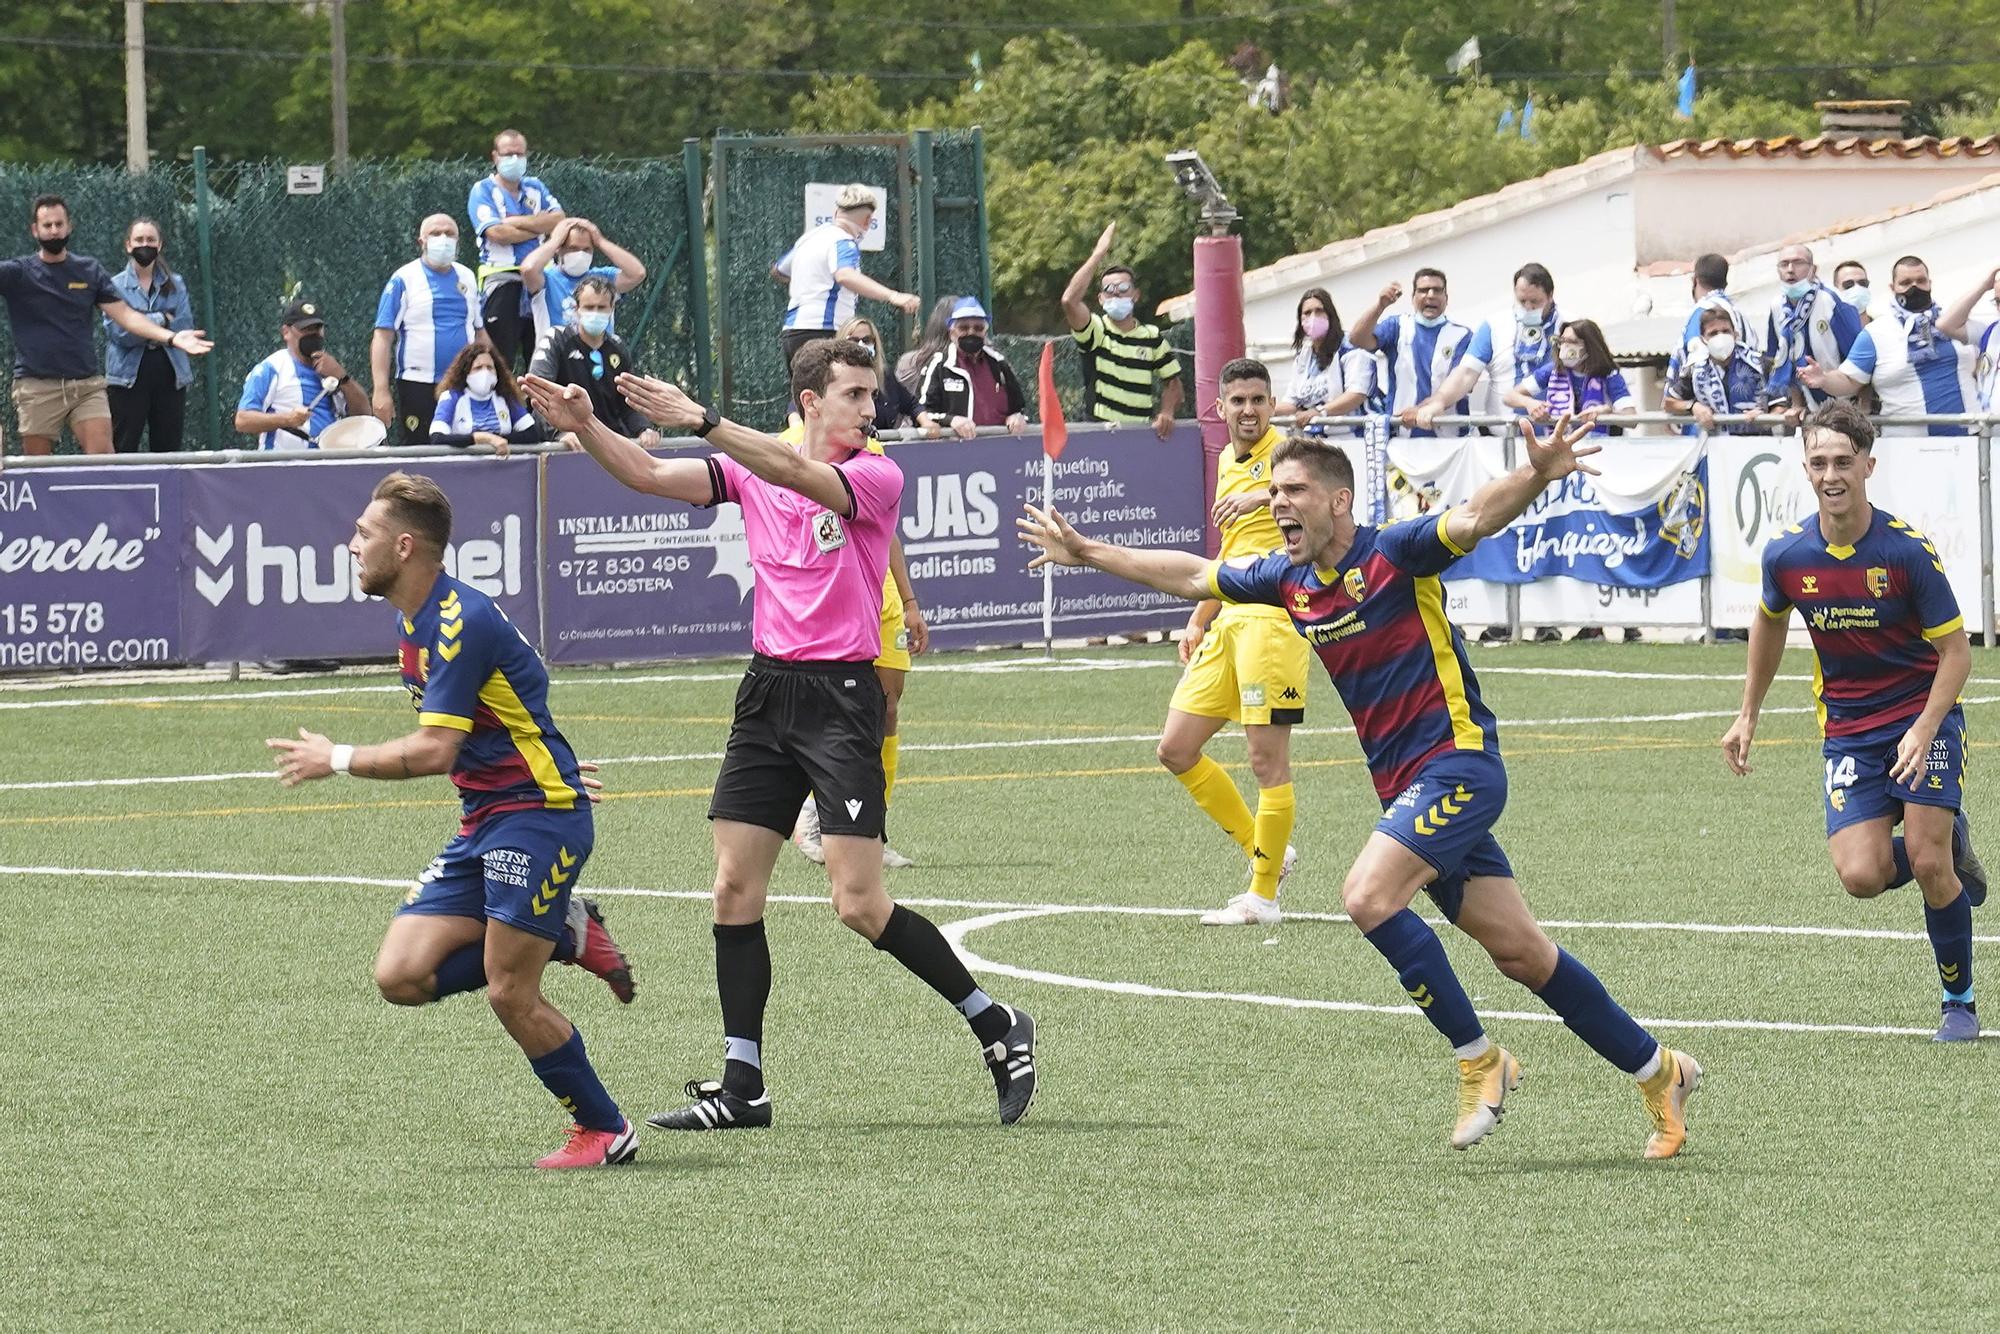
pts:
[576, 263]
[440, 250]
[1572, 357]
[481, 382]
[1720, 346]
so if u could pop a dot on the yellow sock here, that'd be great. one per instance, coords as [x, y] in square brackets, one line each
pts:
[1216, 794]
[890, 745]
[1274, 831]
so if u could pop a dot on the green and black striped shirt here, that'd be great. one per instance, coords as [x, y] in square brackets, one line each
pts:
[1123, 369]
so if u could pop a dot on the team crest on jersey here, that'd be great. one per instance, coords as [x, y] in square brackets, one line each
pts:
[828, 534]
[1878, 582]
[1301, 601]
[1355, 583]
[1809, 585]
[1257, 469]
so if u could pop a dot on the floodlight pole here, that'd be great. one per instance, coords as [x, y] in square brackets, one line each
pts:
[1218, 338]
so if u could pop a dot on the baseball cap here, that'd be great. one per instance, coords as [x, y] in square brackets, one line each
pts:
[303, 314]
[968, 308]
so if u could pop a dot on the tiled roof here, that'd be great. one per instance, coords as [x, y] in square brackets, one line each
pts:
[1831, 145]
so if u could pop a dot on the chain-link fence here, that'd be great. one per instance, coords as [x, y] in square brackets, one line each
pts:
[338, 248]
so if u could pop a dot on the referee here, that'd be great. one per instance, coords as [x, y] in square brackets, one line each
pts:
[809, 715]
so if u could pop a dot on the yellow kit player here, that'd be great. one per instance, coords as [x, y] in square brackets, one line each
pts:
[1245, 664]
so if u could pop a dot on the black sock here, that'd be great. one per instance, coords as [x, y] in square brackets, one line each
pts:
[743, 982]
[914, 941]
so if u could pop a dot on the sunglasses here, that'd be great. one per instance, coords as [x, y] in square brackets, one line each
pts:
[1117, 289]
[597, 364]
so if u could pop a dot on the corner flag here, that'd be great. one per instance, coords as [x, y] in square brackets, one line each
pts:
[1055, 431]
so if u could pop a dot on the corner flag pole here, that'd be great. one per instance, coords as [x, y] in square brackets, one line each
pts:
[1055, 435]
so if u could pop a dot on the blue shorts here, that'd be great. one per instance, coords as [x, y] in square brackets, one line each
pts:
[1858, 786]
[517, 868]
[1446, 816]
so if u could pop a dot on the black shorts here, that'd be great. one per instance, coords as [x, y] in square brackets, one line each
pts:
[416, 404]
[799, 727]
[791, 340]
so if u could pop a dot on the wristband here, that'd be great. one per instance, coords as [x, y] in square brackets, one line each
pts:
[909, 602]
[343, 756]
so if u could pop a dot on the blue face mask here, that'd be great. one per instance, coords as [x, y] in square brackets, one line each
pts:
[1793, 291]
[593, 322]
[512, 167]
[1428, 321]
[1118, 307]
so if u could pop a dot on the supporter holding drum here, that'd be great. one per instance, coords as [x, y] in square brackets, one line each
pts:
[479, 404]
[300, 390]
[147, 381]
[1330, 376]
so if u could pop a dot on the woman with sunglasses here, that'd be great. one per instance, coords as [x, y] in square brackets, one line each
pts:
[587, 354]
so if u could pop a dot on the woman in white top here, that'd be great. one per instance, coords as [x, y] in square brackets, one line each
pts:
[1330, 378]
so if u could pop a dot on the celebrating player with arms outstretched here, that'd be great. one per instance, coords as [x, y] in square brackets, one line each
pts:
[1891, 658]
[497, 903]
[1369, 602]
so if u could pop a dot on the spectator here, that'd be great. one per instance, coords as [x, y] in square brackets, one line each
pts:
[1422, 349]
[1582, 381]
[969, 384]
[1850, 279]
[147, 381]
[1974, 317]
[586, 353]
[552, 270]
[511, 213]
[479, 404]
[937, 334]
[287, 400]
[50, 295]
[1711, 278]
[1727, 377]
[823, 273]
[1330, 377]
[1124, 361]
[1500, 358]
[1917, 366]
[1808, 319]
[894, 405]
[428, 311]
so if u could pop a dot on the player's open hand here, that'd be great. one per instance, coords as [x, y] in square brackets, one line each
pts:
[661, 401]
[591, 786]
[1736, 745]
[1060, 544]
[566, 407]
[1562, 452]
[304, 760]
[1912, 753]
[919, 628]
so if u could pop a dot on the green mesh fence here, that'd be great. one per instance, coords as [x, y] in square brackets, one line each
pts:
[339, 247]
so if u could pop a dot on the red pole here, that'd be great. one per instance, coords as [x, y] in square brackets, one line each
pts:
[1218, 340]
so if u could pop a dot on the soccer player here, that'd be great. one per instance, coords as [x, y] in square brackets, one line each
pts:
[1370, 603]
[818, 521]
[1891, 657]
[1245, 664]
[499, 901]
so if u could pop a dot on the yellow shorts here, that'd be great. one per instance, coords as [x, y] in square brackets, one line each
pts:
[1251, 668]
[895, 635]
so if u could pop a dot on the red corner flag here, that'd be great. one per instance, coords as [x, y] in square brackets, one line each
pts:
[1055, 431]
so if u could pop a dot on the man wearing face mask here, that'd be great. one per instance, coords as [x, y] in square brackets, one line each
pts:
[587, 354]
[1725, 378]
[1422, 349]
[1917, 365]
[511, 213]
[1808, 319]
[552, 270]
[969, 384]
[1504, 351]
[1124, 361]
[1850, 279]
[286, 402]
[822, 274]
[429, 310]
[51, 296]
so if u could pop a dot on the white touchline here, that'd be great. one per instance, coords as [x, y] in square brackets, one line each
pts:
[1003, 913]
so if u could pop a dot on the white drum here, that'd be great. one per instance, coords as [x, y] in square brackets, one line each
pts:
[354, 433]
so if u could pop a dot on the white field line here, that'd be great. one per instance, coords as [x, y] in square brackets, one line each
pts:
[998, 914]
[1016, 743]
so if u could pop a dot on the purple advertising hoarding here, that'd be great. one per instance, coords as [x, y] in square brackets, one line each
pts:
[266, 573]
[630, 576]
[87, 568]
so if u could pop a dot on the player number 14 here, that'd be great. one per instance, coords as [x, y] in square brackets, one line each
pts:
[1839, 775]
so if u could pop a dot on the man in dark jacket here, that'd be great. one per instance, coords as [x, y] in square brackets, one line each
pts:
[969, 384]
[585, 352]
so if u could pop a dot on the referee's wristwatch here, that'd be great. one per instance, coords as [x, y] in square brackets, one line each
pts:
[710, 419]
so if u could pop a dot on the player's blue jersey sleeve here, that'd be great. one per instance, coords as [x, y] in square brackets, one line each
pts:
[391, 304]
[461, 660]
[1250, 579]
[1419, 546]
[1861, 357]
[256, 385]
[1930, 591]
[1772, 599]
[1480, 349]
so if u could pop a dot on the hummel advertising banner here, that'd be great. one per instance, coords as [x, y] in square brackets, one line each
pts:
[265, 568]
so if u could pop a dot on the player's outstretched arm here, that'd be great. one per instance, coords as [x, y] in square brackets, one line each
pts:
[1176, 573]
[1767, 650]
[426, 751]
[566, 408]
[767, 456]
[1506, 498]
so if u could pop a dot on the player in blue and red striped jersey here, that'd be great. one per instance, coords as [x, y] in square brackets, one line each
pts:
[1369, 602]
[497, 904]
[1890, 660]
